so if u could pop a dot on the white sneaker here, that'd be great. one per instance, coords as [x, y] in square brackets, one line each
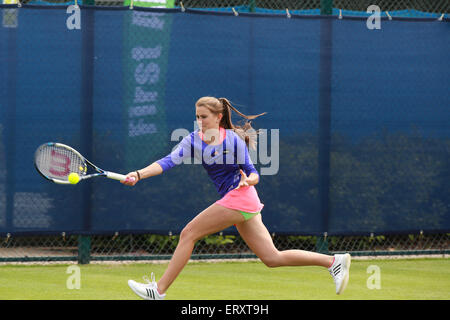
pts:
[147, 291]
[340, 270]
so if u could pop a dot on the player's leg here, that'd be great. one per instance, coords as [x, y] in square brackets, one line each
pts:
[213, 219]
[258, 239]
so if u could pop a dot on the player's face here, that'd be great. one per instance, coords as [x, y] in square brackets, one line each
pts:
[206, 120]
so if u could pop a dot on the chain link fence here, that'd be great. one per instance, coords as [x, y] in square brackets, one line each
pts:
[399, 8]
[146, 247]
[437, 6]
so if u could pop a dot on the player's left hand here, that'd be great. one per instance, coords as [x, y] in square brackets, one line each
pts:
[244, 180]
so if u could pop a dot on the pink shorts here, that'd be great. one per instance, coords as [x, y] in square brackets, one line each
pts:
[243, 199]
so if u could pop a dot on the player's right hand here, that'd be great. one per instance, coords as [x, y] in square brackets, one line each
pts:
[131, 179]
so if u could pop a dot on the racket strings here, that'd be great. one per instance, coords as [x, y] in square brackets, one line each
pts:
[58, 162]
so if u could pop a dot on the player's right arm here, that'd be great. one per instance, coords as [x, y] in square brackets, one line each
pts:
[152, 170]
[181, 152]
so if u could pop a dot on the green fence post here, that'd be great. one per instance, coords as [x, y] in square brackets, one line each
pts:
[326, 7]
[9, 133]
[251, 6]
[84, 249]
[322, 244]
[86, 136]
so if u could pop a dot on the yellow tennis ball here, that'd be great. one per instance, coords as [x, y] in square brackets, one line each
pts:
[73, 178]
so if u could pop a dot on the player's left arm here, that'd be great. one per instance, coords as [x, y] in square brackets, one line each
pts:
[249, 174]
[250, 180]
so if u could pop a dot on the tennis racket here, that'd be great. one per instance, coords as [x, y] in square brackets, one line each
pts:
[55, 161]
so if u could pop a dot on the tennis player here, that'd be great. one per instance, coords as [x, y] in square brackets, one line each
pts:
[222, 148]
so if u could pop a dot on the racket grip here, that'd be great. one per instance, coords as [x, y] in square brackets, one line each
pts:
[115, 176]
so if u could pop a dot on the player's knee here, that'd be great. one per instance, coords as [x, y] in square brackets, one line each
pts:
[186, 234]
[271, 261]
[189, 234]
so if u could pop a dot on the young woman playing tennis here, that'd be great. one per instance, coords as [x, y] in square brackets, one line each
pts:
[222, 149]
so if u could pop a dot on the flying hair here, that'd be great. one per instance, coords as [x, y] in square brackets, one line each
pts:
[224, 107]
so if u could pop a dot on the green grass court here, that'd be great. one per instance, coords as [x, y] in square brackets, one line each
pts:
[401, 279]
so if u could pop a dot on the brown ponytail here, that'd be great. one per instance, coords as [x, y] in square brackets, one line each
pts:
[245, 132]
[224, 107]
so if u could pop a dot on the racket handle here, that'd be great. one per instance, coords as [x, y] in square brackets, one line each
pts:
[115, 176]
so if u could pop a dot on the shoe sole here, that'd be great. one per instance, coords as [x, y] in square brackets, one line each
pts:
[346, 267]
[130, 284]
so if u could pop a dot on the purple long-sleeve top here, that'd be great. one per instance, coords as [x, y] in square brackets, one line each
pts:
[222, 162]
